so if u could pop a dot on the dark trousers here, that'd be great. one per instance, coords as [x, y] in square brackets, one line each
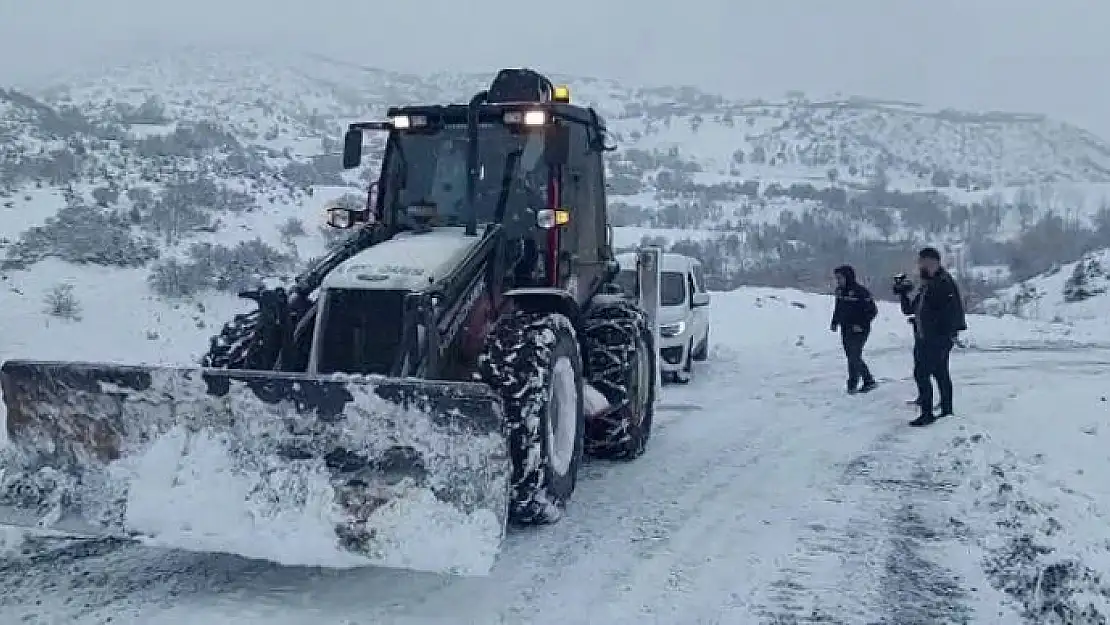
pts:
[853, 350]
[930, 361]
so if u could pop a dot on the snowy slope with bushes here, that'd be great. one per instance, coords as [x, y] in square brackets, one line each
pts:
[191, 157]
[1074, 292]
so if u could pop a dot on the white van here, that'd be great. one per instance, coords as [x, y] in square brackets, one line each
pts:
[683, 314]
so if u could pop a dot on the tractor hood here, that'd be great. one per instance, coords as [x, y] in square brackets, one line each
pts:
[409, 261]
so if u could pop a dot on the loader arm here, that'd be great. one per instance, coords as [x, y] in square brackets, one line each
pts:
[313, 277]
[443, 311]
[285, 315]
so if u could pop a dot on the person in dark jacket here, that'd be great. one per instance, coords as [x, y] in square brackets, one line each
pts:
[938, 317]
[855, 310]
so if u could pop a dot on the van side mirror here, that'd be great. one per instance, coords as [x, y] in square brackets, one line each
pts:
[556, 144]
[699, 300]
[352, 148]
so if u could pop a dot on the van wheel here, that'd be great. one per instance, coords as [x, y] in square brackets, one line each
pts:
[683, 376]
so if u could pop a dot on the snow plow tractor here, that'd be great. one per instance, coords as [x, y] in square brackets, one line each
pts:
[435, 377]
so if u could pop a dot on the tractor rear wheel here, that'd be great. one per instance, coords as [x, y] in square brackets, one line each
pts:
[621, 361]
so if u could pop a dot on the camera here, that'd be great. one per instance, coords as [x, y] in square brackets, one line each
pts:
[902, 285]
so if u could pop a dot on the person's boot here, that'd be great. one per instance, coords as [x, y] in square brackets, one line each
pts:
[945, 411]
[851, 387]
[868, 386]
[926, 418]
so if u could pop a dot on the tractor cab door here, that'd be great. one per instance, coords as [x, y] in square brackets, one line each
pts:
[584, 240]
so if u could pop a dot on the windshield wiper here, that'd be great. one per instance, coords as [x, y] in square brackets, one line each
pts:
[424, 214]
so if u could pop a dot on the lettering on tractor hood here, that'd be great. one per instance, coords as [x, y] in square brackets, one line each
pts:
[409, 261]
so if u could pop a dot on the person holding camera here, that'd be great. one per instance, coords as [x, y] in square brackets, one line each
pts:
[937, 314]
[855, 310]
[903, 286]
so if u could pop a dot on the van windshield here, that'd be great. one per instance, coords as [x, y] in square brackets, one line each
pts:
[672, 287]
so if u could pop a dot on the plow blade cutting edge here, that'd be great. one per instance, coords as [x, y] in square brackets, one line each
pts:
[335, 470]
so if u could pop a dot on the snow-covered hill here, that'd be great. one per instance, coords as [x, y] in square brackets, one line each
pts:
[1077, 292]
[182, 152]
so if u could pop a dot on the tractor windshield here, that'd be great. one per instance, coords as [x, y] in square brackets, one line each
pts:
[425, 177]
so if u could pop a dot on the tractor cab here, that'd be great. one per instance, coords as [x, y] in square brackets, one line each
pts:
[519, 155]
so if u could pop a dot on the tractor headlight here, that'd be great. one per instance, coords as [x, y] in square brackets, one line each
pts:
[404, 122]
[548, 218]
[528, 118]
[669, 330]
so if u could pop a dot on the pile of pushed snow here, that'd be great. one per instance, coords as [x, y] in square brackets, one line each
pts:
[1038, 483]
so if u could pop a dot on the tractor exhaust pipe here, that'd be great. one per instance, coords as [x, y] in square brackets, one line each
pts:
[472, 160]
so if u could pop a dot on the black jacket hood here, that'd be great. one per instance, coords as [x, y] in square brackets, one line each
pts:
[848, 273]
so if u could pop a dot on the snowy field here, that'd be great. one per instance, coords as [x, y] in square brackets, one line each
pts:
[767, 496]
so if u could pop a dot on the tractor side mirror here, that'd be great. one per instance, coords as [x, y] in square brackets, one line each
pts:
[352, 149]
[556, 143]
[341, 218]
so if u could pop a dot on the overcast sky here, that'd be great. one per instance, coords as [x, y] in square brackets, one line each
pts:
[1050, 56]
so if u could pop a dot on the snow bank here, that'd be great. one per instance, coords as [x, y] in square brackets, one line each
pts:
[121, 322]
[1038, 496]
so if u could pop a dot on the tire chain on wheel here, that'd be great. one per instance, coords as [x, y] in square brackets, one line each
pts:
[516, 362]
[241, 344]
[609, 339]
[232, 347]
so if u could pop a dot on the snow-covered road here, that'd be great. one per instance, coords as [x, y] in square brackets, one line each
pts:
[767, 496]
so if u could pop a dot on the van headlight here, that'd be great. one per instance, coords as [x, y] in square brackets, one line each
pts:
[672, 329]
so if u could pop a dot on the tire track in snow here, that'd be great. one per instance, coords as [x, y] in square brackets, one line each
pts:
[863, 557]
[97, 581]
[902, 489]
[644, 518]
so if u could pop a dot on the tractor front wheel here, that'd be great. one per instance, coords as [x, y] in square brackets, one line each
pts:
[532, 361]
